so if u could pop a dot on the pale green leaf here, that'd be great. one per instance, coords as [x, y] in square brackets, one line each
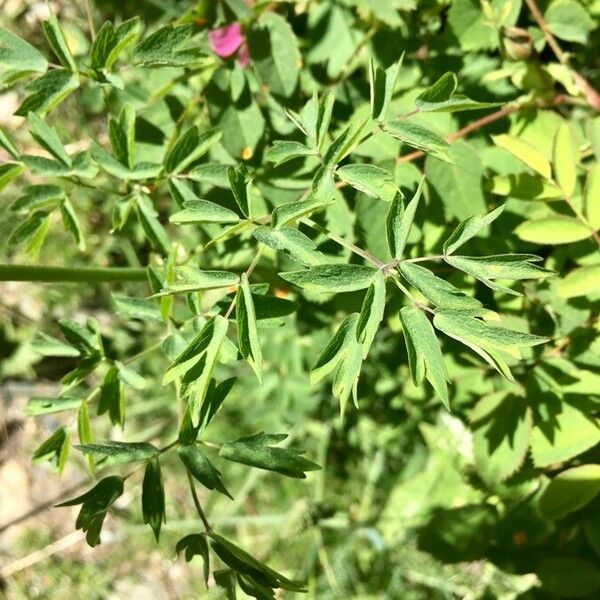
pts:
[17, 54]
[438, 291]
[332, 278]
[553, 230]
[248, 340]
[370, 179]
[469, 229]
[526, 153]
[293, 242]
[424, 355]
[564, 159]
[419, 137]
[580, 282]
[400, 220]
[282, 151]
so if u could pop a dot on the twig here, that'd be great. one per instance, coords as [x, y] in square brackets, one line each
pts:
[342, 242]
[491, 118]
[31, 559]
[591, 94]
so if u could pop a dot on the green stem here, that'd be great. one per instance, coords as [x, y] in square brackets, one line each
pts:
[70, 274]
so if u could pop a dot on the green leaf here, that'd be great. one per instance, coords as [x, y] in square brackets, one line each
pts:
[563, 436]
[419, 137]
[197, 378]
[112, 398]
[553, 230]
[570, 490]
[399, 221]
[48, 91]
[525, 187]
[111, 41]
[16, 53]
[46, 136]
[189, 147]
[526, 153]
[248, 340]
[458, 183]
[95, 504]
[580, 282]
[332, 279]
[195, 280]
[47, 405]
[569, 21]
[215, 396]
[295, 210]
[49, 346]
[71, 223]
[84, 430]
[122, 136]
[371, 313]
[382, 82]
[130, 377]
[343, 145]
[333, 352]
[501, 425]
[82, 166]
[152, 227]
[6, 142]
[424, 355]
[293, 242]
[370, 179]
[439, 292]
[591, 197]
[282, 151]
[242, 563]
[438, 93]
[8, 172]
[56, 38]
[240, 182]
[564, 160]
[487, 341]
[202, 469]
[275, 54]
[33, 232]
[500, 266]
[212, 333]
[469, 229]
[153, 497]
[117, 169]
[38, 197]
[118, 453]
[203, 211]
[55, 450]
[136, 308]
[256, 450]
[164, 48]
[195, 544]
[83, 338]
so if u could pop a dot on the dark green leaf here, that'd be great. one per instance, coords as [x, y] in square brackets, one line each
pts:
[58, 43]
[117, 453]
[256, 451]
[189, 147]
[400, 220]
[153, 497]
[201, 468]
[248, 339]
[48, 91]
[195, 544]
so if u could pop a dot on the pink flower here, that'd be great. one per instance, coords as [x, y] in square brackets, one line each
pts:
[226, 41]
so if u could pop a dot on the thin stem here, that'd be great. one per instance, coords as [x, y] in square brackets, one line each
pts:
[248, 273]
[71, 274]
[342, 242]
[590, 93]
[491, 118]
[425, 258]
[197, 504]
